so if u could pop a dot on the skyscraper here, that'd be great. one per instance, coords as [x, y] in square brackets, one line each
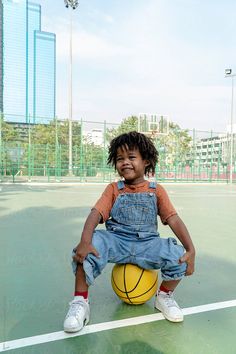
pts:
[27, 64]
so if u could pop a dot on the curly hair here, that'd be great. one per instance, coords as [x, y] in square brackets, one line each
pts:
[134, 140]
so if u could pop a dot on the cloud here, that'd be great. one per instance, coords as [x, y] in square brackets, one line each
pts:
[99, 16]
[86, 45]
[91, 46]
[144, 61]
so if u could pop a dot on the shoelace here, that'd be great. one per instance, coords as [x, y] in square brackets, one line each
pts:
[169, 300]
[75, 308]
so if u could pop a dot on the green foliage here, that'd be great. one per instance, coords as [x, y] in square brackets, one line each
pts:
[127, 125]
[173, 148]
[89, 159]
[56, 132]
[8, 132]
[42, 149]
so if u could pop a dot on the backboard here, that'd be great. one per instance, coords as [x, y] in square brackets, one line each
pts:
[153, 124]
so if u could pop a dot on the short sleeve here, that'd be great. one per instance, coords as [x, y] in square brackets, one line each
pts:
[164, 205]
[105, 203]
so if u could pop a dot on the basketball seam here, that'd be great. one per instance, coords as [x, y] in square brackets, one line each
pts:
[133, 297]
[122, 291]
[126, 292]
[125, 285]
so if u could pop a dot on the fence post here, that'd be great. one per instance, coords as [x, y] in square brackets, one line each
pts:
[1, 161]
[104, 150]
[29, 150]
[211, 164]
[81, 150]
[47, 169]
[57, 154]
[194, 154]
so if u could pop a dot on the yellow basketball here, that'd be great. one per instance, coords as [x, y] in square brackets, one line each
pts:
[133, 284]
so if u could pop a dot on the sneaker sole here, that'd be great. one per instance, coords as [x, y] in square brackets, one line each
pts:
[175, 320]
[72, 330]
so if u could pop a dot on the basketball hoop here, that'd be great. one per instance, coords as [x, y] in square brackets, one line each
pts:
[152, 133]
[153, 125]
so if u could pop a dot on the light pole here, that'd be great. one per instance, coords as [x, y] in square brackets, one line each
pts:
[228, 73]
[73, 4]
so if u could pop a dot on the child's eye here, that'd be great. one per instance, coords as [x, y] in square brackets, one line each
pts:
[131, 157]
[118, 158]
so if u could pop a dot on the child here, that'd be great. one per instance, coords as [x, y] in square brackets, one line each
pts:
[130, 208]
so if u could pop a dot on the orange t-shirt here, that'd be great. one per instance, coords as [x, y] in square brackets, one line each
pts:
[107, 199]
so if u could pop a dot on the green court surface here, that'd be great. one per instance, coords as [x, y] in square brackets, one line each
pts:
[40, 224]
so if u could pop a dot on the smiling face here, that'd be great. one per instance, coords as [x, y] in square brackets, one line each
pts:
[130, 165]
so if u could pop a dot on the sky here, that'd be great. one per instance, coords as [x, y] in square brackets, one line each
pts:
[164, 57]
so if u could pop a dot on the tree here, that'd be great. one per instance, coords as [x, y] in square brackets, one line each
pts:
[8, 132]
[127, 125]
[10, 151]
[173, 147]
[50, 148]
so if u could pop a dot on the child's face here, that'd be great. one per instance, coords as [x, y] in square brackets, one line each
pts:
[130, 165]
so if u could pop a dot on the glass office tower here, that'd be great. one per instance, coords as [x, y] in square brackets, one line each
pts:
[1, 58]
[27, 64]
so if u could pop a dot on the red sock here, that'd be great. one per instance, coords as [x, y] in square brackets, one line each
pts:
[81, 293]
[162, 288]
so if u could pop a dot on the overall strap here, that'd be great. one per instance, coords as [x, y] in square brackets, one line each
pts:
[152, 185]
[120, 185]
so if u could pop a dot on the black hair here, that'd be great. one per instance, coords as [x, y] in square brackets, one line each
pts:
[134, 140]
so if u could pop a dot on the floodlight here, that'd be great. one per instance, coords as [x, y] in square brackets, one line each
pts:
[72, 3]
[228, 71]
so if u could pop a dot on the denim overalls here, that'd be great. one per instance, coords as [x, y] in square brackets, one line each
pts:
[131, 237]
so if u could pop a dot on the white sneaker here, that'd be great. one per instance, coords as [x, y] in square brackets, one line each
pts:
[78, 315]
[166, 303]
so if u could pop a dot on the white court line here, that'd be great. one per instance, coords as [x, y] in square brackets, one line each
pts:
[99, 327]
[78, 183]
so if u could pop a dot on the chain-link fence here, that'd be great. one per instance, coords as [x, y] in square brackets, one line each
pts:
[40, 152]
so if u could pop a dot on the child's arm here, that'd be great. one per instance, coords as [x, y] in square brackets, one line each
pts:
[180, 230]
[85, 247]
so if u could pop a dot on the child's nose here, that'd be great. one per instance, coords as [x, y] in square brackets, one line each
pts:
[126, 161]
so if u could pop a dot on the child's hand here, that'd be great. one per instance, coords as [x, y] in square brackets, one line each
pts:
[189, 258]
[82, 250]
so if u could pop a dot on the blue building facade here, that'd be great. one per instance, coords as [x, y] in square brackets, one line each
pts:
[28, 64]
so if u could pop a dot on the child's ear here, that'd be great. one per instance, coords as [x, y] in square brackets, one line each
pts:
[147, 163]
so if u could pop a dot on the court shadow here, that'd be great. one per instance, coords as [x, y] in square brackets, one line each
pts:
[212, 276]
[36, 262]
[33, 313]
[10, 189]
[136, 347]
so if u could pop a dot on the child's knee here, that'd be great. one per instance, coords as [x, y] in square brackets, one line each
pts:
[174, 271]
